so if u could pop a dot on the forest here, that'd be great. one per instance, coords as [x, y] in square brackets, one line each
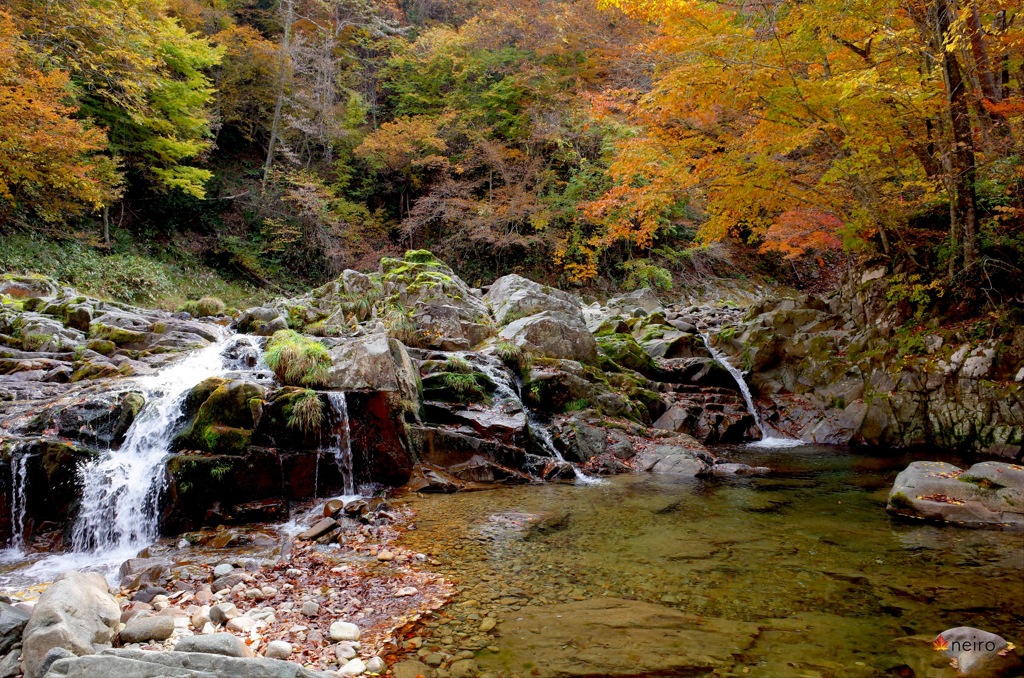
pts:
[155, 149]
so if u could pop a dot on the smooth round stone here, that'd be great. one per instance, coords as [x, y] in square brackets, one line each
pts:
[278, 649]
[344, 631]
[344, 652]
[223, 569]
[310, 608]
[354, 668]
[375, 665]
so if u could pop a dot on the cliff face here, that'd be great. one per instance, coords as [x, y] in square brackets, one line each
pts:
[858, 367]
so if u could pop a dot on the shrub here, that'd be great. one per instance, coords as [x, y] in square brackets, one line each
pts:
[307, 412]
[464, 386]
[298, 360]
[457, 365]
[514, 357]
[204, 307]
[642, 273]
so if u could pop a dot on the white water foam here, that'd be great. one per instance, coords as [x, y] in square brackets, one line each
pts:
[767, 439]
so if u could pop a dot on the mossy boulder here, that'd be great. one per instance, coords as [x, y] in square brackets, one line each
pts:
[298, 360]
[624, 350]
[420, 277]
[118, 335]
[512, 297]
[224, 423]
[987, 494]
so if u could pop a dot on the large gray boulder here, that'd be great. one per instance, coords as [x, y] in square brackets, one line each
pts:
[553, 334]
[512, 297]
[12, 625]
[76, 613]
[184, 664]
[373, 362]
[989, 493]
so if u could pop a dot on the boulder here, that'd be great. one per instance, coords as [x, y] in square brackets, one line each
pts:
[420, 277]
[553, 334]
[680, 455]
[143, 664]
[261, 320]
[989, 493]
[373, 363]
[512, 297]
[12, 625]
[76, 613]
[142, 628]
[224, 644]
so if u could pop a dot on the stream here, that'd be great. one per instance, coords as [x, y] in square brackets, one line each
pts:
[807, 555]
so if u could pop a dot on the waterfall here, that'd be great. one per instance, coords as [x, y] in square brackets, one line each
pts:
[767, 439]
[121, 489]
[340, 440]
[19, 498]
[544, 434]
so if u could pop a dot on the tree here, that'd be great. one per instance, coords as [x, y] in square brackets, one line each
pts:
[139, 74]
[50, 161]
[868, 112]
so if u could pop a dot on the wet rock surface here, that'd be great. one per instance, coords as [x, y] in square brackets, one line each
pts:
[987, 494]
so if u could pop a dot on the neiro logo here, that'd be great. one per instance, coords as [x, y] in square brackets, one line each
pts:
[970, 645]
[969, 648]
[940, 644]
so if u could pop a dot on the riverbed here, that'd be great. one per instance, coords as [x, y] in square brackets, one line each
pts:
[802, 569]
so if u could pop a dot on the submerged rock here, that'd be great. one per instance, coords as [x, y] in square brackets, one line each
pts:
[987, 494]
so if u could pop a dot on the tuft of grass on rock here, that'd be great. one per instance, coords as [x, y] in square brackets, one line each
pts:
[298, 360]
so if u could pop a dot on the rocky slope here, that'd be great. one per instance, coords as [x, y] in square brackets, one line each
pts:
[412, 377]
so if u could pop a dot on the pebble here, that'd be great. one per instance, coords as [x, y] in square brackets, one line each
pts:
[222, 612]
[385, 555]
[310, 608]
[434, 659]
[375, 665]
[464, 668]
[487, 624]
[223, 569]
[354, 668]
[406, 591]
[344, 652]
[278, 649]
[344, 631]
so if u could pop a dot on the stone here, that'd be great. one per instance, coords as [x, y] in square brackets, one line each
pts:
[488, 624]
[310, 608]
[354, 667]
[333, 507]
[988, 493]
[225, 644]
[207, 665]
[464, 668]
[76, 613]
[12, 625]
[385, 555]
[278, 649]
[552, 334]
[406, 591]
[223, 569]
[975, 652]
[373, 362]
[375, 665]
[241, 624]
[95, 666]
[513, 296]
[411, 669]
[140, 629]
[344, 652]
[55, 654]
[340, 631]
[222, 612]
[10, 665]
[322, 528]
[615, 637]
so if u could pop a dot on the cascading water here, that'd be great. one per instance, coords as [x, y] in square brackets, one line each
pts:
[767, 439]
[505, 388]
[340, 441]
[118, 512]
[19, 499]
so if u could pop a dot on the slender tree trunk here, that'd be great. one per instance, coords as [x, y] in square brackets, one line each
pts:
[286, 35]
[981, 58]
[106, 224]
[962, 158]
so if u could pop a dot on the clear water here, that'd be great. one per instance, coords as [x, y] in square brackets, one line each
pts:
[809, 546]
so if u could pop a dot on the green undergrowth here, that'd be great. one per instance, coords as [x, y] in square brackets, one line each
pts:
[129, 275]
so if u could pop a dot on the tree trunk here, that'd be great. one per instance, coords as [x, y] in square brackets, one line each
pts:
[963, 214]
[289, 17]
[106, 224]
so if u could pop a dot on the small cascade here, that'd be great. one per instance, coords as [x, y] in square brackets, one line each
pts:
[340, 440]
[122, 488]
[548, 442]
[767, 439]
[19, 498]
